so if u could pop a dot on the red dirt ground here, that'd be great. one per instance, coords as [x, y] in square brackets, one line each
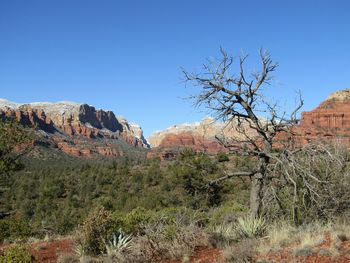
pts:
[204, 255]
[286, 254]
[47, 252]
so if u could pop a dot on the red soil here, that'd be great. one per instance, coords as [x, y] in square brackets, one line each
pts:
[48, 252]
[204, 255]
[286, 254]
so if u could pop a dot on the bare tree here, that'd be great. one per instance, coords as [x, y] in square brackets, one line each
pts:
[239, 99]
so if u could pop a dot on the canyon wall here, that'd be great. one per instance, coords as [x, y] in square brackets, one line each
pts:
[329, 121]
[77, 129]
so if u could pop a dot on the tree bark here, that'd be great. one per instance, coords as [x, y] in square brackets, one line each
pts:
[256, 195]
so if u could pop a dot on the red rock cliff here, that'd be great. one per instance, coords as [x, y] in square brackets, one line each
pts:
[330, 120]
[77, 129]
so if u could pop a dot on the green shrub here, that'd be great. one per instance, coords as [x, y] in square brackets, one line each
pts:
[17, 254]
[226, 213]
[133, 221]
[222, 157]
[95, 230]
[4, 230]
[14, 228]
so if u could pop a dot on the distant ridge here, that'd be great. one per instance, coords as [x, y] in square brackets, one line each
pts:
[77, 128]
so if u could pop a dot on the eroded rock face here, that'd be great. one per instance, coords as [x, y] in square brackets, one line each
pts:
[330, 120]
[173, 143]
[76, 127]
[207, 129]
[200, 137]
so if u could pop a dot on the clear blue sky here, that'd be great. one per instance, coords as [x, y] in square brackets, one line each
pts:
[126, 56]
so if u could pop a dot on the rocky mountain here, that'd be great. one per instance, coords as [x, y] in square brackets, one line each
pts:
[83, 130]
[77, 129]
[200, 136]
[329, 121]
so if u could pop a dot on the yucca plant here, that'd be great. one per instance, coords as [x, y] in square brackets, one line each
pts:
[251, 226]
[120, 242]
[79, 250]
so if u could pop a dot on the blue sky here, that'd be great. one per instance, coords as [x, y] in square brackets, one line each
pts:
[126, 56]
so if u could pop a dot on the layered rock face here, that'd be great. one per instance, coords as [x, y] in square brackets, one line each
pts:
[200, 136]
[77, 129]
[330, 120]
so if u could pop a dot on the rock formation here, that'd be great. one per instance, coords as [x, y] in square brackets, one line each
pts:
[199, 136]
[77, 129]
[81, 130]
[330, 120]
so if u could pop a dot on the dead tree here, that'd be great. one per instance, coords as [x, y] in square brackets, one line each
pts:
[239, 100]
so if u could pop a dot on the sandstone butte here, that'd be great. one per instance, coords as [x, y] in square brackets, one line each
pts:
[330, 120]
[76, 129]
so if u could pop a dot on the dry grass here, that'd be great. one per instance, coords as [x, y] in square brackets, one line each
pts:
[222, 235]
[68, 258]
[305, 240]
[240, 252]
[160, 242]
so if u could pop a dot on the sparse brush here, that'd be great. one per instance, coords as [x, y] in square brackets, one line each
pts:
[241, 252]
[227, 231]
[250, 226]
[120, 242]
[222, 235]
[68, 258]
[79, 250]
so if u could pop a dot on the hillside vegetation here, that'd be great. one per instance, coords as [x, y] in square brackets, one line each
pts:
[133, 209]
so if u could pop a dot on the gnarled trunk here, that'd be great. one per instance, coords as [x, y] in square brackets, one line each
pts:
[256, 195]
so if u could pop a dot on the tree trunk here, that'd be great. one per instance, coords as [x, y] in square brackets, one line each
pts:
[256, 195]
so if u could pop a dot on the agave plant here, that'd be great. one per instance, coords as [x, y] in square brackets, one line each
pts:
[120, 242]
[251, 226]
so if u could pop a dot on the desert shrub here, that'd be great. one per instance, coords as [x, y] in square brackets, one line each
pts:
[223, 235]
[4, 229]
[95, 230]
[68, 258]
[173, 233]
[162, 241]
[250, 227]
[226, 213]
[133, 221]
[222, 157]
[14, 228]
[242, 252]
[312, 184]
[17, 254]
